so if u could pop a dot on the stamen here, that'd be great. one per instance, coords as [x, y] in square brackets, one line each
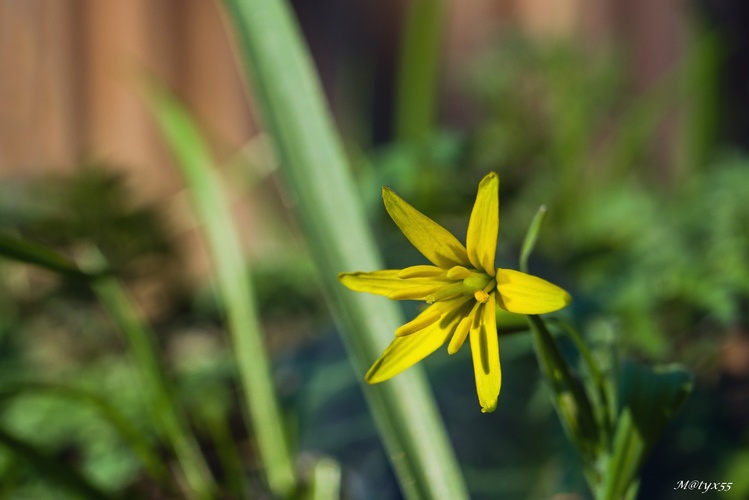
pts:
[413, 293]
[421, 321]
[458, 273]
[481, 296]
[447, 292]
[421, 272]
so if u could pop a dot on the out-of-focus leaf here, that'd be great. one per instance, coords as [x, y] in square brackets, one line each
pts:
[135, 439]
[529, 242]
[649, 399]
[325, 480]
[32, 253]
[52, 468]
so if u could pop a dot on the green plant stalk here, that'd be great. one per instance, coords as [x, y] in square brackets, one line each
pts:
[316, 170]
[158, 393]
[418, 78]
[234, 286]
[570, 401]
[606, 407]
[325, 480]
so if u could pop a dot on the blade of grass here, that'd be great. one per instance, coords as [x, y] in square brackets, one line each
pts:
[416, 87]
[31, 253]
[531, 237]
[234, 286]
[316, 170]
[325, 481]
[166, 412]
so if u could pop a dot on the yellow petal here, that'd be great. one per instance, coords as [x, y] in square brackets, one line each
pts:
[485, 354]
[422, 292]
[386, 282]
[432, 240]
[404, 352]
[428, 316]
[525, 294]
[461, 331]
[483, 227]
[421, 272]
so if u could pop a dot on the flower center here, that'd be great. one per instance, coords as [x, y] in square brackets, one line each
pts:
[480, 285]
[468, 282]
[476, 281]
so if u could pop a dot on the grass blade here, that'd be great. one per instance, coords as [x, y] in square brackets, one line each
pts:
[417, 85]
[531, 237]
[235, 288]
[31, 253]
[316, 170]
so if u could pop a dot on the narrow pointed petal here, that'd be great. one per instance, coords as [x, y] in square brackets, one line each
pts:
[483, 227]
[404, 352]
[421, 292]
[386, 282]
[432, 240]
[422, 272]
[485, 353]
[462, 330]
[428, 316]
[525, 294]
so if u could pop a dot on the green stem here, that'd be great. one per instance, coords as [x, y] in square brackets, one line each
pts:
[607, 403]
[314, 165]
[571, 402]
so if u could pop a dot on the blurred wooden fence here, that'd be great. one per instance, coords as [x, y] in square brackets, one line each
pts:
[68, 67]
[68, 75]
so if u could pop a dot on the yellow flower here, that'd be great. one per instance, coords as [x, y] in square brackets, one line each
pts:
[462, 287]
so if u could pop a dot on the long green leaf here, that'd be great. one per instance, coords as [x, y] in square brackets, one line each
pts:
[32, 253]
[235, 287]
[316, 170]
[650, 397]
[418, 78]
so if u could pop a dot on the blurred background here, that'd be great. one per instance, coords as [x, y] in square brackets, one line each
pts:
[628, 119]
